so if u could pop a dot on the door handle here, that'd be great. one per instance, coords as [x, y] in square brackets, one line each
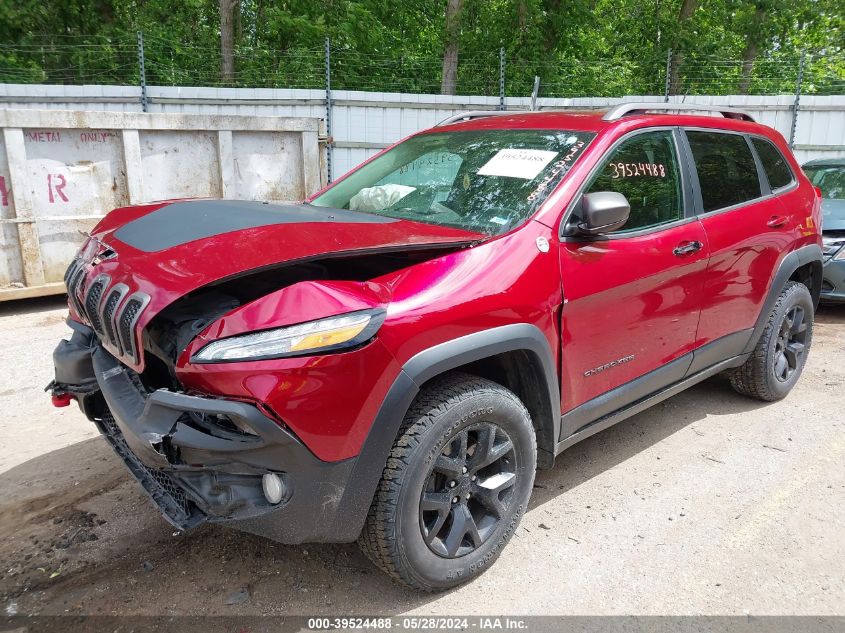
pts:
[685, 248]
[776, 221]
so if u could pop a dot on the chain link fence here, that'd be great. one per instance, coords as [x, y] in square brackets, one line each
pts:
[129, 59]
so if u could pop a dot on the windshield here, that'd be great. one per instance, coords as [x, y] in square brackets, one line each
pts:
[484, 181]
[830, 180]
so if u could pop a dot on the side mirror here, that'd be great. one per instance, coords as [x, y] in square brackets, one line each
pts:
[603, 212]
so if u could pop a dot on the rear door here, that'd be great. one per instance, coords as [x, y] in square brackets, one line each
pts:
[632, 298]
[748, 230]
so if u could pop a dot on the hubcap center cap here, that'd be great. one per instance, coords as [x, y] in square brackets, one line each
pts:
[464, 488]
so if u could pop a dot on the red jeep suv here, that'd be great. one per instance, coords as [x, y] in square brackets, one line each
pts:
[391, 360]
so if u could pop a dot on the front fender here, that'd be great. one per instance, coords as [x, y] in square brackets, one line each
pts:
[418, 370]
[788, 265]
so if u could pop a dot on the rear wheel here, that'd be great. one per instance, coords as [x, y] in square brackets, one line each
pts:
[456, 484]
[779, 356]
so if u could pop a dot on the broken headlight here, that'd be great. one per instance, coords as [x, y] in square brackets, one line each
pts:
[315, 337]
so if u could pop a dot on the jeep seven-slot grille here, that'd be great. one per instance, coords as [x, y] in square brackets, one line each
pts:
[100, 305]
[73, 280]
[108, 316]
[69, 272]
[126, 326]
[92, 303]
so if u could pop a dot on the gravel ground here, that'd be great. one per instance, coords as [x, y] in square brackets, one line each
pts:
[706, 504]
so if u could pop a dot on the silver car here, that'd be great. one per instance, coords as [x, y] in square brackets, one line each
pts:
[828, 174]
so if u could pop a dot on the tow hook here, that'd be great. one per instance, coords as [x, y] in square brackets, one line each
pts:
[61, 399]
[58, 397]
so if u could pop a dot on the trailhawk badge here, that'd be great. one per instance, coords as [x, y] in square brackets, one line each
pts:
[611, 364]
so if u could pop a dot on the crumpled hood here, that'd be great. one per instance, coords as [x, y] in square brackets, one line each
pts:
[167, 250]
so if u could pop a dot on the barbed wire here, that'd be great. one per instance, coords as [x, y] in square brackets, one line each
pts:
[72, 59]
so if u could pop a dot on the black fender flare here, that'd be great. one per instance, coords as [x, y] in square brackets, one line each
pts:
[791, 262]
[427, 364]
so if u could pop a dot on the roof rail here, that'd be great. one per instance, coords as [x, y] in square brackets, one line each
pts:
[625, 109]
[471, 114]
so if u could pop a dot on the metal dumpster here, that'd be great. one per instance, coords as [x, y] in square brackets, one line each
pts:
[60, 171]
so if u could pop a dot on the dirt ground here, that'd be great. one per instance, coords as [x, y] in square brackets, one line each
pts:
[707, 504]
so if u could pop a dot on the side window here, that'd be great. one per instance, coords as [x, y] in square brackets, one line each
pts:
[726, 169]
[774, 164]
[645, 170]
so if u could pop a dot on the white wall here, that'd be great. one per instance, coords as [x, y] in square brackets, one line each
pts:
[364, 122]
[60, 171]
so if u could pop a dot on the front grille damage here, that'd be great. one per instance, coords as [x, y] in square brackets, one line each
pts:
[103, 306]
[202, 459]
[189, 493]
[113, 309]
[73, 280]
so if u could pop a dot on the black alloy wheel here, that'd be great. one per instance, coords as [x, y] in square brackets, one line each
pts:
[790, 343]
[455, 486]
[468, 490]
[775, 364]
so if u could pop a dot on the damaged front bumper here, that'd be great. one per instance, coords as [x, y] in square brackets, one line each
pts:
[203, 459]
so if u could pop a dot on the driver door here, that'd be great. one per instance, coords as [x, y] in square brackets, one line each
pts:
[632, 298]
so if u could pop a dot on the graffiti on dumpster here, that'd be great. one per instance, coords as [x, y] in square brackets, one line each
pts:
[96, 137]
[56, 183]
[44, 136]
[54, 136]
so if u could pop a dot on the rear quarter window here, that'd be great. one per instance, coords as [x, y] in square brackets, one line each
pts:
[726, 169]
[774, 164]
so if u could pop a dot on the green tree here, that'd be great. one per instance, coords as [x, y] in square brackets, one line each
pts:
[576, 47]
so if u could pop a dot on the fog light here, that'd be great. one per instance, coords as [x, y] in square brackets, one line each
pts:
[274, 488]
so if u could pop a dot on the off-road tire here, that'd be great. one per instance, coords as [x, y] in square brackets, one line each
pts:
[450, 407]
[757, 378]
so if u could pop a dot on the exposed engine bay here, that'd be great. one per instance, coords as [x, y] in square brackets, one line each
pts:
[169, 333]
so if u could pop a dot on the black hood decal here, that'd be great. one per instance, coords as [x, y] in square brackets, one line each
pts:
[183, 222]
